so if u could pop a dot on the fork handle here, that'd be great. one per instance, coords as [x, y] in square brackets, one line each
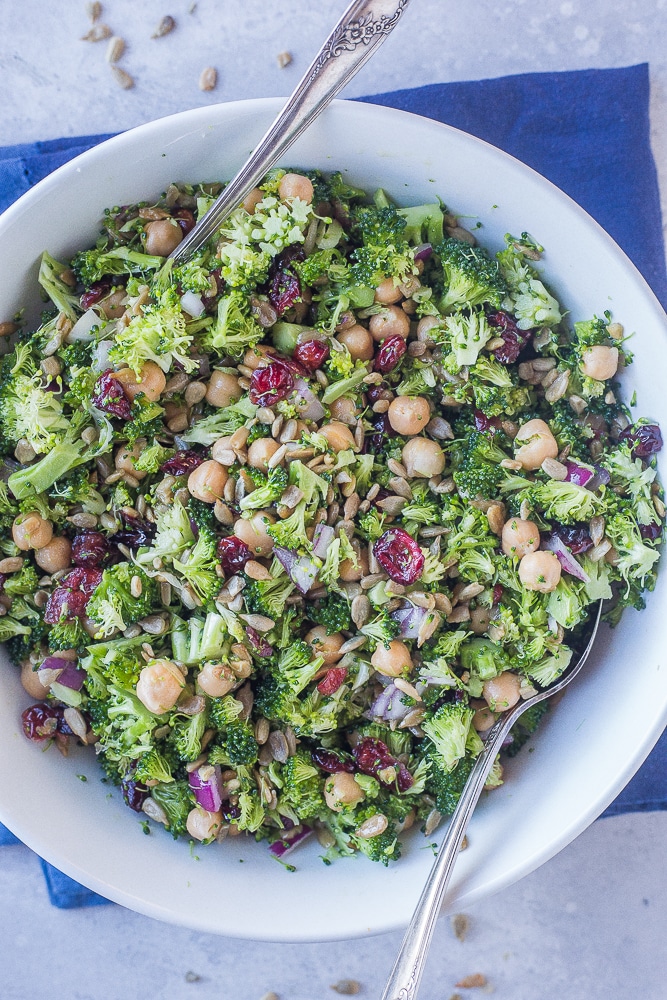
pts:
[406, 974]
[362, 28]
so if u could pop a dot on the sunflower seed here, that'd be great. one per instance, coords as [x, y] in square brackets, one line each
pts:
[599, 551]
[430, 623]
[166, 25]
[192, 706]
[558, 387]
[154, 625]
[136, 586]
[154, 811]
[495, 515]
[262, 623]
[400, 486]
[407, 688]
[372, 827]
[94, 11]
[461, 613]
[554, 470]
[413, 718]
[125, 81]
[440, 429]
[469, 591]
[83, 520]
[115, 49]
[392, 505]
[97, 33]
[433, 820]
[278, 745]
[262, 729]
[208, 78]
[397, 468]
[360, 610]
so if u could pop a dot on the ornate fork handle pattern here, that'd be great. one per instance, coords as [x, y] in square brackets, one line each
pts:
[362, 28]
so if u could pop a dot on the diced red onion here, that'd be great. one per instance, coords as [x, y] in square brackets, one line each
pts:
[577, 474]
[258, 642]
[388, 705]
[302, 570]
[601, 478]
[565, 558]
[70, 676]
[290, 840]
[410, 619]
[309, 405]
[322, 539]
[83, 326]
[423, 252]
[207, 786]
[192, 304]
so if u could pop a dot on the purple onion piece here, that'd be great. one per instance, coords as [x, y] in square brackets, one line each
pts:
[554, 544]
[258, 642]
[409, 618]
[601, 478]
[423, 252]
[207, 788]
[322, 539]
[54, 663]
[388, 705]
[578, 474]
[302, 570]
[70, 676]
[290, 840]
[309, 405]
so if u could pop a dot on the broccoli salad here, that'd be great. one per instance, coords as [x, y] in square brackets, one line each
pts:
[287, 526]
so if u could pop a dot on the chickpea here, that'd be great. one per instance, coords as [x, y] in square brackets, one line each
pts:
[387, 292]
[348, 572]
[519, 537]
[423, 457]
[252, 200]
[326, 646]
[126, 457]
[390, 322]
[151, 382]
[540, 571]
[113, 304]
[295, 186]
[162, 236]
[159, 686]
[358, 341]
[502, 692]
[31, 531]
[202, 824]
[31, 682]
[260, 451]
[600, 362]
[394, 661]
[55, 555]
[409, 415]
[207, 481]
[342, 790]
[254, 357]
[425, 324]
[480, 618]
[222, 389]
[339, 437]
[252, 531]
[344, 410]
[539, 444]
[216, 679]
[483, 718]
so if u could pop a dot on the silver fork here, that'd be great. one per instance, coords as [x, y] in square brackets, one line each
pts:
[403, 982]
[360, 31]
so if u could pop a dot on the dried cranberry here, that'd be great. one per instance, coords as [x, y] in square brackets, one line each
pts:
[332, 761]
[182, 463]
[399, 555]
[134, 793]
[136, 532]
[332, 680]
[484, 423]
[185, 219]
[650, 532]
[97, 291]
[644, 439]
[233, 554]
[373, 756]
[90, 548]
[382, 430]
[40, 722]
[514, 339]
[498, 591]
[576, 537]
[312, 354]
[109, 395]
[284, 284]
[230, 811]
[374, 392]
[70, 599]
[389, 354]
[271, 384]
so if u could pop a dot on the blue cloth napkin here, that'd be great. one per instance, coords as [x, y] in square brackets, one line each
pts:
[588, 132]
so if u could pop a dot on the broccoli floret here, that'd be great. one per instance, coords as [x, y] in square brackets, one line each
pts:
[285, 679]
[423, 224]
[636, 558]
[483, 657]
[10, 627]
[159, 334]
[60, 293]
[384, 251]
[446, 785]
[155, 766]
[371, 524]
[27, 409]
[381, 630]
[153, 457]
[174, 534]
[93, 265]
[177, 799]
[568, 430]
[472, 277]
[448, 731]
[477, 471]
[302, 788]
[528, 298]
[223, 711]
[113, 606]
[117, 662]
[235, 329]
[333, 612]
[239, 744]
[290, 533]
[338, 189]
[123, 723]
[24, 582]
[221, 423]
[67, 635]
[186, 735]
[268, 597]
[565, 503]
[268, 493]
[199, 566]
[385, 847]
[77, 488]
[469, 332]
[525, 726]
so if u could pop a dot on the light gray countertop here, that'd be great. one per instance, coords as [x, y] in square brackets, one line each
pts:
[589, 924]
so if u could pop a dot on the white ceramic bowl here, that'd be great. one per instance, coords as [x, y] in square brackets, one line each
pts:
[587, 749]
